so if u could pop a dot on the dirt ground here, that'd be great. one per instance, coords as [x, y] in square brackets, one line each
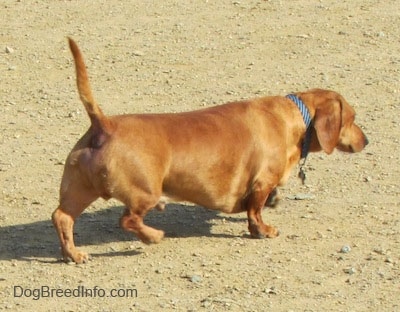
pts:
[339, 249]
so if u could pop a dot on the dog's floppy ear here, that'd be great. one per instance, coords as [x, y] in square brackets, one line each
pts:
[327, 124]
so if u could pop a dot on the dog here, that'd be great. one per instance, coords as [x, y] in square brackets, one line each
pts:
[230, 157]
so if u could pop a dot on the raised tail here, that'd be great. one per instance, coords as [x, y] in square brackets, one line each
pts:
[96, 115]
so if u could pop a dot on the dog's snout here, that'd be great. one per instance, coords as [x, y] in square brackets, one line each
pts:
[366, 141]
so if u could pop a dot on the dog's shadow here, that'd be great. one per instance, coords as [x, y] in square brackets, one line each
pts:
[38, 240]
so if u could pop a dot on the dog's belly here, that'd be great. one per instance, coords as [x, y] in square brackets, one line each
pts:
[226, 208]
[208, 197]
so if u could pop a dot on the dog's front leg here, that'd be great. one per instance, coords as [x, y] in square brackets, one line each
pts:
[255, 202]
[132, 221]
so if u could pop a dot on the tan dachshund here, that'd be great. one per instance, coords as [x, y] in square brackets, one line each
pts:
[229, 158]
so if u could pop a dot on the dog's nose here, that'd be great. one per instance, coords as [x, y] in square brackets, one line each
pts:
[366, 142]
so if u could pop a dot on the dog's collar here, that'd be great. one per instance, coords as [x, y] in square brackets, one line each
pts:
[307, 139]
[307, 120]
[302, 107]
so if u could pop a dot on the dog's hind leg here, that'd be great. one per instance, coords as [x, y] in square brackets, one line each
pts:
[73, 201]
[273, 199]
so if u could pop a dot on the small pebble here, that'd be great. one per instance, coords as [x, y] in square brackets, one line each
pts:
[345, 249]
[138, 53]
[113, 248]
[301, 196]
[206, 303]
[9, 50]
[379, 251]
[270, 291]
[349, 271]
[195, 279]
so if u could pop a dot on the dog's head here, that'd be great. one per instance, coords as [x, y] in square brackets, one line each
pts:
[333, 125]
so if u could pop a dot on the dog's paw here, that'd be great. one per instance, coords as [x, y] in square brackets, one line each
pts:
[160, 206]
[79, 257]
[152, 236]
[263, 231]
[272, 232]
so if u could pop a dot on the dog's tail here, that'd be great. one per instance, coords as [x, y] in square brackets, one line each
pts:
[96, 115]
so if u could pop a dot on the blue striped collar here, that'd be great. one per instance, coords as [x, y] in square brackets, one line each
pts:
[302, 107]
[307, 120]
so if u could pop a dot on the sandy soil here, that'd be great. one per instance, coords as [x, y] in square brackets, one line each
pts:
[338, 251]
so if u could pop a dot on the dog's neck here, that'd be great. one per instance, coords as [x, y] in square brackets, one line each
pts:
[307, 121]
[307, 138]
